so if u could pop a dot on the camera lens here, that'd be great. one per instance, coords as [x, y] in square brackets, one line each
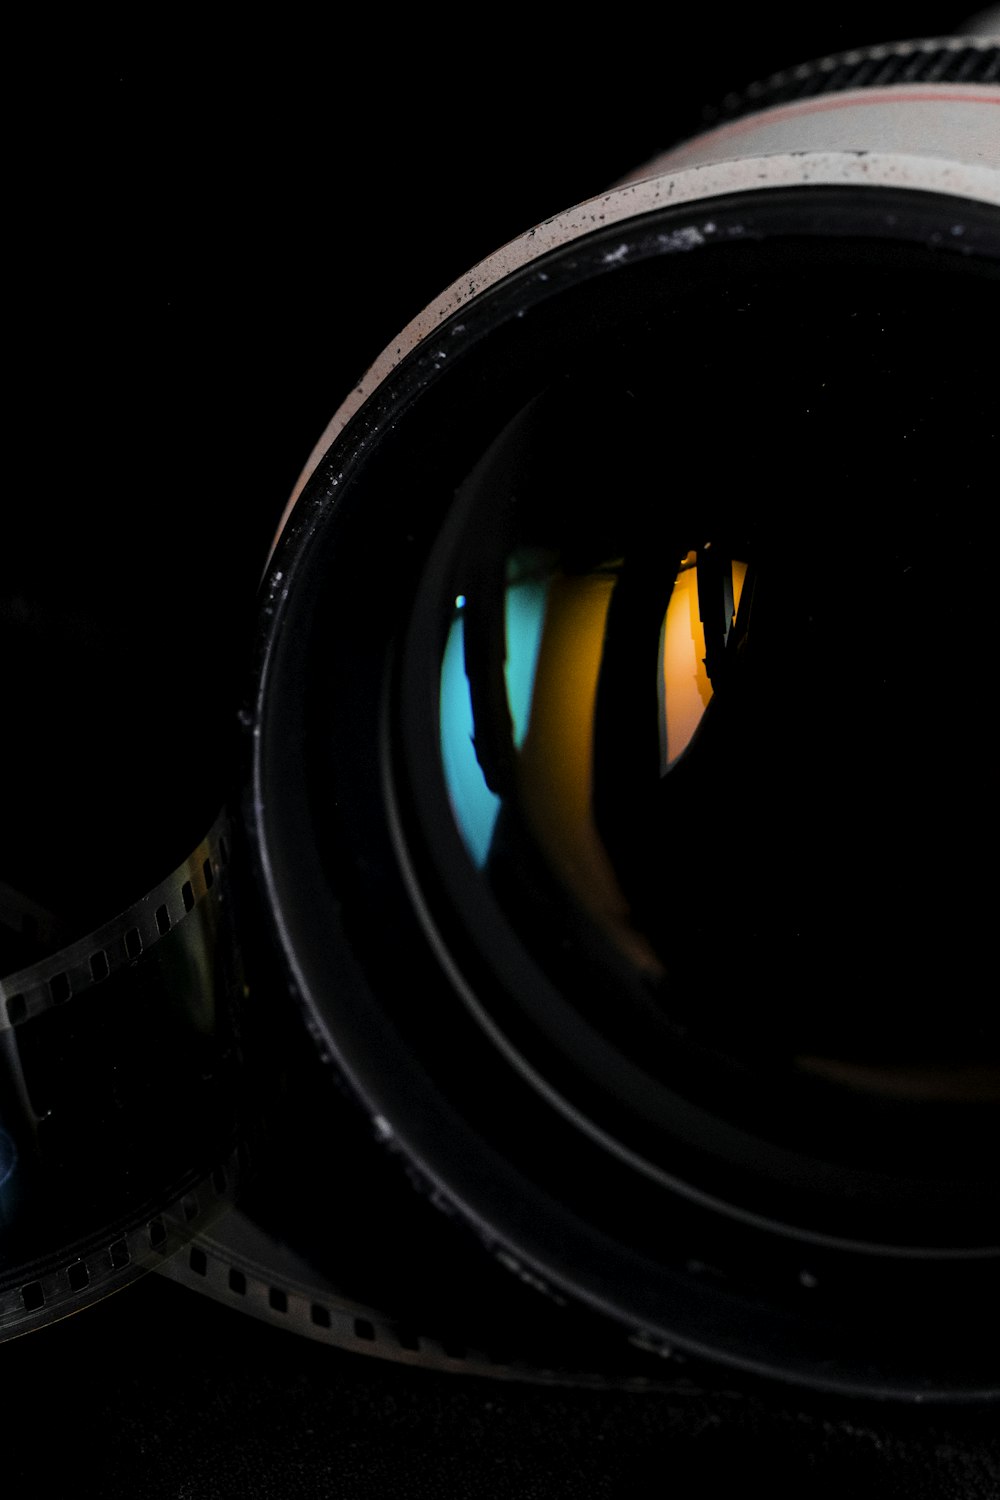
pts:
[619, 760]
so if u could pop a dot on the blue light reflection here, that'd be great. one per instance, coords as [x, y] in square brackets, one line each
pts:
[476, 808]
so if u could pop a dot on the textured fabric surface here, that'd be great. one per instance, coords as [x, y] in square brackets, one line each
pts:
[160, 1393]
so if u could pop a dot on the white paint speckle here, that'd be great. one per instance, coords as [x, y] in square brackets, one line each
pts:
[688, 238]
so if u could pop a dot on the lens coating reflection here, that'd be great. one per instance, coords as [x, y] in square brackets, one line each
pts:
[734, 721]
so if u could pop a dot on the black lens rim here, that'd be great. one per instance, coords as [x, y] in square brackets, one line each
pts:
[313, 913]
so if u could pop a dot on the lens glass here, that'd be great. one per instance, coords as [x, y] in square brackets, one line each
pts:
[624, 774]
[711, 720]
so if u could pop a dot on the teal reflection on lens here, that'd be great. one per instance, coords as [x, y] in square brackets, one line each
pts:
[475, 807]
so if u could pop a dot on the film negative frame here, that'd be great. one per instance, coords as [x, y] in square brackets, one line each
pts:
[175, 939]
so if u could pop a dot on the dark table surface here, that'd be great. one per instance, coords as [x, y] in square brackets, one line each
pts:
[159, 1392]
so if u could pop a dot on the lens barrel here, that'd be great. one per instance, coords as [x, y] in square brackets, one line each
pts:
[618, 771]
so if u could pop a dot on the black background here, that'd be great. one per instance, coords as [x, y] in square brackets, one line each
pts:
[211, 237]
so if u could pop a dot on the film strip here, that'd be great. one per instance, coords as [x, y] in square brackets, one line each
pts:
[83, 966]
[237, 1264]
[187, 1228]
[122, 1062]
